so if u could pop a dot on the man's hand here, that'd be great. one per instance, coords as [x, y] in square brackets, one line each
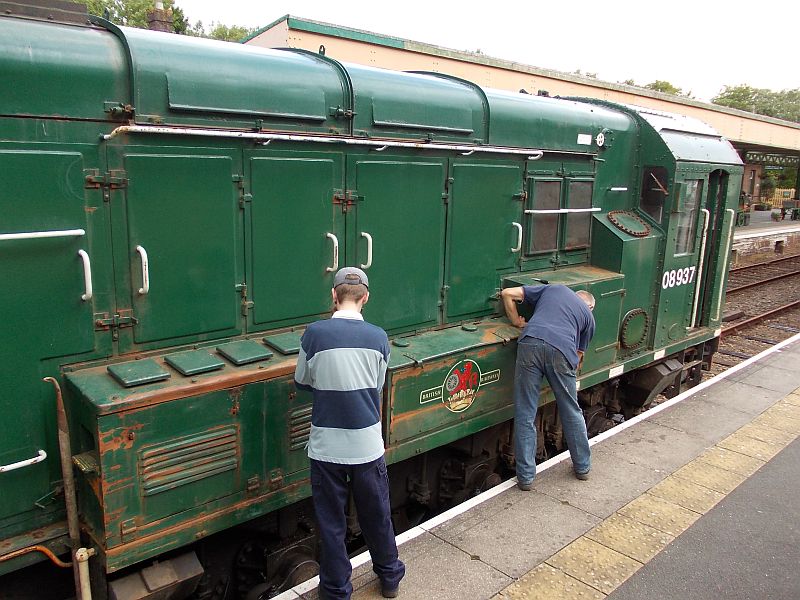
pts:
[521, 322]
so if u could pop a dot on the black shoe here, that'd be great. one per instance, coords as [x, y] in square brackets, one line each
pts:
[390, 592]
[525, 487]
[582, 476]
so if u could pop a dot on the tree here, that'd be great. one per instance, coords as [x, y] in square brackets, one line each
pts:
[781, 105]
[133, 13]
[665, 87]
[232, 33]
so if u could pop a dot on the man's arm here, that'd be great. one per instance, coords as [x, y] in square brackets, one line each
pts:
[510, 297]
[302, 375]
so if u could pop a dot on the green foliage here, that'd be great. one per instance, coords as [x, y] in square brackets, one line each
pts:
[665, 87]
[781, 105]
[787, 177]
[133, 13]
[768, 184]
[232, 33]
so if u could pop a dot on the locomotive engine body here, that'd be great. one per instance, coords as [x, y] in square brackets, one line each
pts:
[174, 210]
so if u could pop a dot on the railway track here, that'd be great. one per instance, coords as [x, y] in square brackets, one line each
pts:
[750, 276]
[762, 309]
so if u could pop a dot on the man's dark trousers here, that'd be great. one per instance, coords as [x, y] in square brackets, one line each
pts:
[330, 490]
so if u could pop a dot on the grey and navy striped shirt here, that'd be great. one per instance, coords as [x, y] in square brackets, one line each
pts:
[342, 361]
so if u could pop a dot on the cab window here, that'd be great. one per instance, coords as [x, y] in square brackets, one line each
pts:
[687, 218]
[654, 192]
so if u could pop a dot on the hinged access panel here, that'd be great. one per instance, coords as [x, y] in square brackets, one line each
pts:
[178, 247]
[295, 235]
[398, 232]
[485, 234]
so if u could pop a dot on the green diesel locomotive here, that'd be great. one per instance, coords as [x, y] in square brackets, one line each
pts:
[172, 211]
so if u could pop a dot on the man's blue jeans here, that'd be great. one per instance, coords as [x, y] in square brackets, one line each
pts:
[330, 486]
[537, 359]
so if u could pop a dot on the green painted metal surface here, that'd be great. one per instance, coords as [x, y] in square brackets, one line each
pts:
[485, 226]
[244, 352]
[138, 372]
[284, 185]
[48, 81]
[193, 362]
[400, 206]
[181, 210]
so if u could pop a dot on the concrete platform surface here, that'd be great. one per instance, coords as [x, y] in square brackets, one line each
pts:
[640, 517]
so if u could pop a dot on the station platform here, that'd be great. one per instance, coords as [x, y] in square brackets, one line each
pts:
[696, 498]
[763, 226]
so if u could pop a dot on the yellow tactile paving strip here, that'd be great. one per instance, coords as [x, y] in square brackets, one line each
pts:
[595, 564]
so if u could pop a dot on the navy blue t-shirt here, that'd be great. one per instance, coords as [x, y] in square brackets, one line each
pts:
[560, 318]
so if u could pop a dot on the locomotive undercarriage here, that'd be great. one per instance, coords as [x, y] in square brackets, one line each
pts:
[276, 552]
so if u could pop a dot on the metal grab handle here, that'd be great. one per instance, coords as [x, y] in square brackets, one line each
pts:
[35, 235]
[335, 240]
[24, 463]
[560, 211]
[701, 260]
[145, 270]
[519, 237]
[367, 264]
[87, 275]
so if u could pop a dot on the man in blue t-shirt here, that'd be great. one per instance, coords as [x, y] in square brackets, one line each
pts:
[551, 345]
[342, 362]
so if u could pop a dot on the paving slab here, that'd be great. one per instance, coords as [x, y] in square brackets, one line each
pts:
[778, 379]
[653, 445]
[614, 480]
[534, 527]
[711, 419]
[438, 570]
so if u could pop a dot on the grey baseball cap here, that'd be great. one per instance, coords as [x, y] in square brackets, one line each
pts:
[351, 276]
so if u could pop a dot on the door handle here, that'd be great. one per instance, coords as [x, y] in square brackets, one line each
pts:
[24, 463]
[367, 264]
[335, 241]
[518, 227]
[145, 270]
[87, 275]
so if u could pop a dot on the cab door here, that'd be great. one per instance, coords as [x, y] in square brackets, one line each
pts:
[719, 203]
[687, 222]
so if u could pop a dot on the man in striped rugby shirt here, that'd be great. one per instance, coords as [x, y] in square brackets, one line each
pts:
[342, 361]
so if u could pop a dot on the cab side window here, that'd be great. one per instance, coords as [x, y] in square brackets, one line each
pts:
[684, 240]
[654, 192]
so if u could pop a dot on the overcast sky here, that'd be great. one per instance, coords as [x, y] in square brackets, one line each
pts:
[697, 45]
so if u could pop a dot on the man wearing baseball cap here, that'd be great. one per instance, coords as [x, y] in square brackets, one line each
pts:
[342, 361]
